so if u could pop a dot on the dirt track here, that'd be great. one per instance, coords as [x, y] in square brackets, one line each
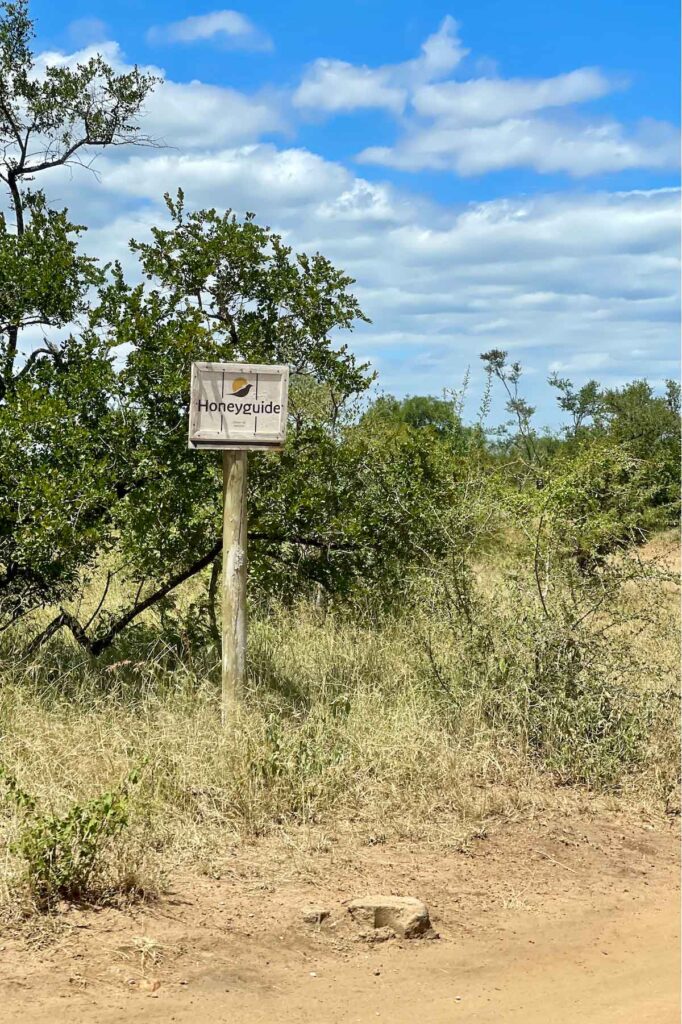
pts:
[559, 923]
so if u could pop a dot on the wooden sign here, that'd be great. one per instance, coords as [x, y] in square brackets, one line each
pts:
[238, 405]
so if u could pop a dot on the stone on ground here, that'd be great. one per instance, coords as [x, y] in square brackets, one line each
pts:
[405, 915]
[315, 915]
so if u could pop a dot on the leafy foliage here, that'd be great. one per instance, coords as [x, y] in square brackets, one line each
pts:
[422, 412]
[49, 119]
[224, 290]
[62, 853]
[62, 443]
[43, 279]
[551, 653]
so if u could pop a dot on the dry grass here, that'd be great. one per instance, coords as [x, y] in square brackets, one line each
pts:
[384, 727]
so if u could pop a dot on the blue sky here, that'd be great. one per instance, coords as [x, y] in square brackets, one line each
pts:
[493, 174]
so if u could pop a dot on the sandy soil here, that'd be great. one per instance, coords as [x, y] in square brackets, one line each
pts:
[563, 921]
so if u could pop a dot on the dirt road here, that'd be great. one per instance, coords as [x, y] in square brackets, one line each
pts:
[548, 924]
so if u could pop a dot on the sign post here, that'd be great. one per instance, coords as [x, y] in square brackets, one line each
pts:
[236, 407]
[235, 528]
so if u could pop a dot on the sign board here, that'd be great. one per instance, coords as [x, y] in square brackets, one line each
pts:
[238, 405]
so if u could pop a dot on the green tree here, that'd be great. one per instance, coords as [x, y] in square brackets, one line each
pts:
[418, 411]
[49, 120]
[582, 404]
[332, 509]
[59, 426]
[643, 425]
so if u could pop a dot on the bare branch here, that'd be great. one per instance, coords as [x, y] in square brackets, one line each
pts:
[536, 566]
[101, 602]
[212, 590]
[32, 359]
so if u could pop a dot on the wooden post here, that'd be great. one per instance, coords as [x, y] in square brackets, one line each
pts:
[220, 416]
[234, 580]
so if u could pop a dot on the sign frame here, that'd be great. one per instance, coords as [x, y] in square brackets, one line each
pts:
[274, 441]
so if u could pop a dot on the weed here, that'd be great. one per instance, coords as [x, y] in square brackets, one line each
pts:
[61, 853]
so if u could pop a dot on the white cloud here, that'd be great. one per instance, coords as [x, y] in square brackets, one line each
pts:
[468, 128]
[108, 48]
[189, 114]
[487, 124]
[335, 85]
[563, 279]
[588, 362]
[554, 279]
[228, 27]
[259, 177]
[440, 53]
[547, 146]
[491, 100]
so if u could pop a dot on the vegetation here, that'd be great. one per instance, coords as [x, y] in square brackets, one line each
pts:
[62, 853]
[446, 617]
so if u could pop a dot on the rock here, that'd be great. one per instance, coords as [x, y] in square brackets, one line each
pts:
[148, 985]
[404, 915]
[315, 915]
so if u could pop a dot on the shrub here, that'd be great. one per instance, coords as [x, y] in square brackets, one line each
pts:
[551, 655]
[62, 853]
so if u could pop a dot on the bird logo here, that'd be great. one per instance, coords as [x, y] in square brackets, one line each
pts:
[241, 387]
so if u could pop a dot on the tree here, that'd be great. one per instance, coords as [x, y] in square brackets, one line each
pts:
[582, 405]
[333, 510]
[529, 451]
[94, 465]
[418, 411]
[644, 425]
[58, 419]
[326, 511]
[50, 120]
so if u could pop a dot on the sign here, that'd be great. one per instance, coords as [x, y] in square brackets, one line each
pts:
[238, 405]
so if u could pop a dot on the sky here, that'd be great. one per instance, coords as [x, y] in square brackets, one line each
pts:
[492, 174]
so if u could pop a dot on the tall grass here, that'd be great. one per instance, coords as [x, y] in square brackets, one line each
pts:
[389, 722]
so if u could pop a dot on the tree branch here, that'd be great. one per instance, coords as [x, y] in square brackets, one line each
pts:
[96, 645]
[63, 158]
[536, 567]
[212, 589]
[63, 619]
[101, 601]
[31, 360]
[13, 329]
[99, 644]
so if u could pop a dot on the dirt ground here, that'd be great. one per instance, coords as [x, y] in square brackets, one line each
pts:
[564, 919]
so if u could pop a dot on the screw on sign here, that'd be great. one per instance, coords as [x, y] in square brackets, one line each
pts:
[237, 407]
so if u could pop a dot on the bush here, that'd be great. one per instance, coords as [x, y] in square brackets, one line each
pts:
[62, 854]
[553, 657]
